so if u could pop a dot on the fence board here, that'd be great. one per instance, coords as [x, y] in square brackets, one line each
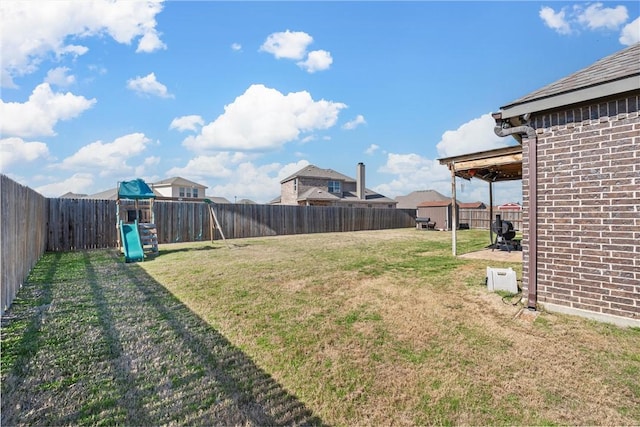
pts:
[479, 218]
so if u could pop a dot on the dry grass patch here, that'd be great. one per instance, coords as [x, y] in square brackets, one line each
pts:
[386, 327]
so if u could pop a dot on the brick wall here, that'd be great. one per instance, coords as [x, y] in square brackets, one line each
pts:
[588, 207]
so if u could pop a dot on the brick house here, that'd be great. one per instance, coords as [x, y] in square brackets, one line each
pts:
[312, 186]
[580, 141]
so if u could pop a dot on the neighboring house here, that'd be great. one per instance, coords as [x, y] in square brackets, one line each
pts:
[111, 194]
[178, 188]
[71, 195]
[219, 200]
[509, 207]
[246, 202]
[312, 186]
[439, 212]
[413, 199]
[580, 141]
[175, 188]
[472, 205]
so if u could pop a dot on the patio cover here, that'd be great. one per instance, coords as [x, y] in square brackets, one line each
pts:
[136, 189]
[502, 164]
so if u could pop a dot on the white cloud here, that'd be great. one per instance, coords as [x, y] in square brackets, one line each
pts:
[359, 120]
[236, 46]
[372, 149]
[555, 20]
[308, 138]
[150, 42]
[630, 33]
[413, 172]
[150, 161]
[109, 158]
[288, 44]
[13, 150]
[473, 136]
[265, 119]
[215, 166]
[293, 45]
[59, 77]
[184, 123]
[595, 16]
[41, 112]
[32, 30]
[317, 60]
[148, 85]
[77, 183]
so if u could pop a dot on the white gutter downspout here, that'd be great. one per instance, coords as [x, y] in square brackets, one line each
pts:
[532, 140]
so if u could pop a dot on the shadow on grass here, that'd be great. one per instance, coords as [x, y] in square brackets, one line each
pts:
[163, 251]
[117, 348]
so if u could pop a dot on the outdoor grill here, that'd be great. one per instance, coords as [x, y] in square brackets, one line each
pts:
[505, 234]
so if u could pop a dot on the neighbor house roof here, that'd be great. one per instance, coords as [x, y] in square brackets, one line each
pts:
[176, 180]
[246, 202]
[435, 204]
[71, 195]
[509, 207]
[472, 205]
[110, 194]
[312, 171]
[219, 200]
[616, 73]
[413, 199]
[369, 197]
[316, 193]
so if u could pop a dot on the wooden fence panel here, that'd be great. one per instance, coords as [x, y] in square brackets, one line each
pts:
[23, 235]
[479, 218]
[77, 224]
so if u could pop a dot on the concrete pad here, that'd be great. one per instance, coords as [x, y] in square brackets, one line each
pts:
[496, 255]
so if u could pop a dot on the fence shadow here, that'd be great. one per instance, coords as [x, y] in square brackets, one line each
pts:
[164, 250]
[141, 358]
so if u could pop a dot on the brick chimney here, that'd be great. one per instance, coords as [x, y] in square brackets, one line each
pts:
[360, 181]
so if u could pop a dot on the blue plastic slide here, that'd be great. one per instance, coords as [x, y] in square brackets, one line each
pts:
[131, 242]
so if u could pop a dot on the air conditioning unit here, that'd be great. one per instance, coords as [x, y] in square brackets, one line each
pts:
[502, 279]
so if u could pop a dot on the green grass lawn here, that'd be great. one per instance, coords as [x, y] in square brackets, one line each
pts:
[372, 328]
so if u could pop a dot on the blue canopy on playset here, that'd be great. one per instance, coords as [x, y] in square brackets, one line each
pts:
[136, 189]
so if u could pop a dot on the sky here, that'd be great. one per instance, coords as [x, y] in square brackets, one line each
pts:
[239, 95]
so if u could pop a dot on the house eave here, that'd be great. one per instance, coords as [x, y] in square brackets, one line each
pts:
[627, 84]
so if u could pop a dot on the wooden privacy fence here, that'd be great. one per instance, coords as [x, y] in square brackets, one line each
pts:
[23, 235]
[76, 224]
[479, 218]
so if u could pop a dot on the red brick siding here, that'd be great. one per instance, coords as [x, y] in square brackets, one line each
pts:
[588, 207]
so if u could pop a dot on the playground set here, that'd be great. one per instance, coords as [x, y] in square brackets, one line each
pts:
[137, 233]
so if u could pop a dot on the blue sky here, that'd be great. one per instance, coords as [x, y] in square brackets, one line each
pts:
[239, 95]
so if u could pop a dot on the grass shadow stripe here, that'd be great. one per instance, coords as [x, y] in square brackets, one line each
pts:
[255, 393]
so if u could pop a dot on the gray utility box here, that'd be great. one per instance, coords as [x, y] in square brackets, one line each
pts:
[502, 279]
